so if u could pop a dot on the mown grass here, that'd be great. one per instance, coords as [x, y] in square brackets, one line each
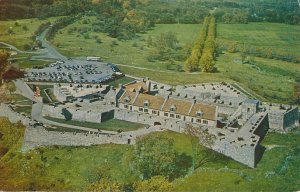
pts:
[109, 125]
[282, 38]
[19, 37]
[122, 80]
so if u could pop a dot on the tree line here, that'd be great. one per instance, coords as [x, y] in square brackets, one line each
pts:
[245, 49]
[157, 11]
[203, 53]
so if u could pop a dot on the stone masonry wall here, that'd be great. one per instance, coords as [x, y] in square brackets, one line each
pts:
[148, 119]
[291, 118]
[35, 137]
[14, 117]
[78, 115]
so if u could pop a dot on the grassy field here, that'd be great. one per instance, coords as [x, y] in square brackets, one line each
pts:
[76, 45]
[109, 125]
[19, 37]
[282, 38]
[273, 80]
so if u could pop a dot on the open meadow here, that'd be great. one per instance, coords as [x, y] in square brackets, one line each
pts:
[282, 38]
[271, 79]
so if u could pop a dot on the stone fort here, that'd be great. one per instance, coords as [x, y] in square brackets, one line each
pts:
[237, 123]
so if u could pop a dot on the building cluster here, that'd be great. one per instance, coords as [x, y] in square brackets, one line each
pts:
[236, 122]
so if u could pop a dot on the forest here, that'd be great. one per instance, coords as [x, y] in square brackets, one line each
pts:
[159, 11]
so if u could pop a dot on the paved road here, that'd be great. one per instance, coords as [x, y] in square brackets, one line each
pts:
[9, 46]
[50, 51]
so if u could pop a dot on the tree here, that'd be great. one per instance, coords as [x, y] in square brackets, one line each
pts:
[4, 56]
[155, 155]
[207, 62]
[155, 184]
[198, 136]
[192, 63]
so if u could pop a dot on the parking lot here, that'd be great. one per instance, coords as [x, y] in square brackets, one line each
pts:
[74, 71]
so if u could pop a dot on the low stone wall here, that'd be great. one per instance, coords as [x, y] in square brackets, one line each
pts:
[13, 116]
[35, 137]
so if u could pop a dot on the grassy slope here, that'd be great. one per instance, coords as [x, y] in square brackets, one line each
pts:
[70, 168]
[20, 37]
[282, 38]
[277, 171]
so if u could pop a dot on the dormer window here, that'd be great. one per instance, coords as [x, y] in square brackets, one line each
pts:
[127, 99]
[199, 113]
[146, 104]
[173, 108]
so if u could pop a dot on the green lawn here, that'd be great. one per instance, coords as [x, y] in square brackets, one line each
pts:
[26, 63]
[282, 38]
[122, 80]
[24, 109]
[19, 36]
[109, 125]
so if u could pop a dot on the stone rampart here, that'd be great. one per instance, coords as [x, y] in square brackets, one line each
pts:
[14, 117]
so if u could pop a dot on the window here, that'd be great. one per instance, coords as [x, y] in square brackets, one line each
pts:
[146, 110]
[130, 108]
[154, 112]
[171, 115]
[198, 120]
[140, 109]
[192, 120]
[173, 108]
[199, 114]
[178, 116]
[205, 122]
[127, 99]
[126, 106]
[166, 114]
[146, 104]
